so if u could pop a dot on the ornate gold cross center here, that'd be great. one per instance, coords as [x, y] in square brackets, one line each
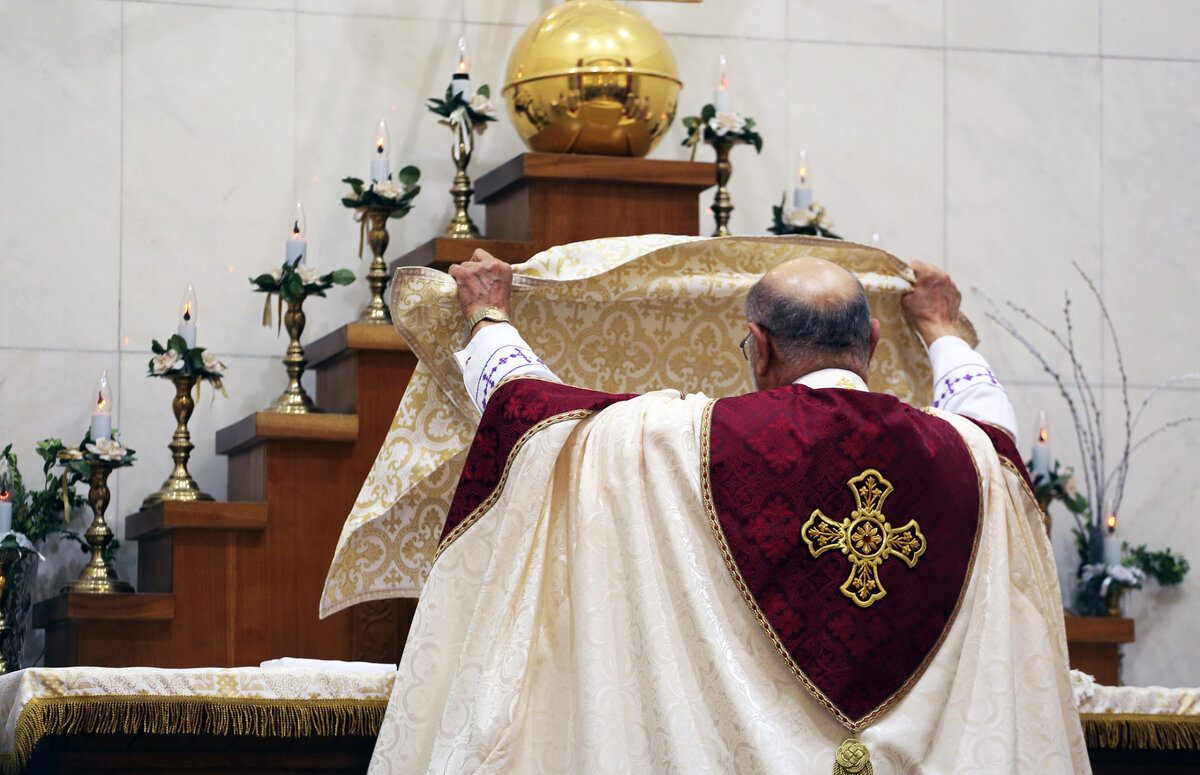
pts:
[865, 537]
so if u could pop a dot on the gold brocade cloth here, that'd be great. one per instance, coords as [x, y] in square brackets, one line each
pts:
[624, 314]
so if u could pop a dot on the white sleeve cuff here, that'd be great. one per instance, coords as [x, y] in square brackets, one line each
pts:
[494, 354]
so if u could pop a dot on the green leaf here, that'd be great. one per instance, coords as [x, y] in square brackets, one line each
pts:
[409, 175]
[707, 113]
[156, 348]
[356, 184]
[294, 287]
[177, 343]
[341, 276]
[264, 279]
[485, 91]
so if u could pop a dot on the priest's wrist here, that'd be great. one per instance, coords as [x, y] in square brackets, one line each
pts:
[932, 332]
[484, 315]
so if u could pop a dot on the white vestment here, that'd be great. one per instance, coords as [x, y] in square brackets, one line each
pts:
[587, 623]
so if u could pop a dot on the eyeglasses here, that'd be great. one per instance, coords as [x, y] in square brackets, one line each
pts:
[745, 345]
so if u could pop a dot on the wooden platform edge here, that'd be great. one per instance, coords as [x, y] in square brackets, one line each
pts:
[352, 337]
[577, 166]
[268, 426]
[1099, 629]
[141, 607]
[441, 252]
[199, 515]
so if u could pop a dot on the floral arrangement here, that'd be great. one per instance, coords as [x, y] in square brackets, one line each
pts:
[711, 124]
[395, 196]
[179, 359]
[811, 221]
[40, 512]
[293, 284]
[473, 115]
[1100, 583]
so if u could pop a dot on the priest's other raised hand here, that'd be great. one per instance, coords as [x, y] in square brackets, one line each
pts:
[932, 306]
[484, 281]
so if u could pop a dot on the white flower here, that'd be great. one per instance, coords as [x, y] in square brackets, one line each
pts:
[387, 189]
[70, 453]
[307, 274]
[211, 363]
[168, 361]
[1132, 577]
[481, 104]
[277, 274]
[798, 218]
[107, 449]
[724, 123]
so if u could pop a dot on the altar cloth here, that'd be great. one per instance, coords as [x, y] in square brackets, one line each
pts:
[247, 701]
[1138, 717]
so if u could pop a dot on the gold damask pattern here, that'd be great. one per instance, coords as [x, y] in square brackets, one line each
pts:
[626, 314]
[865, 537]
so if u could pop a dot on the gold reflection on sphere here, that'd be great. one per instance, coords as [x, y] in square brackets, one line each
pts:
[592, 76]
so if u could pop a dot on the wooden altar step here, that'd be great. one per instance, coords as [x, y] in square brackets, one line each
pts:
[237, 582]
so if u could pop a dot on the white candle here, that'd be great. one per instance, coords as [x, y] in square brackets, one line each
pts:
[1041, 450]
[723, 96]
[802, 194]
[102, 410]
[187, 317]
[460, 81]
[297, 244]
[380, 170]
[1112, 544]
[5, 500]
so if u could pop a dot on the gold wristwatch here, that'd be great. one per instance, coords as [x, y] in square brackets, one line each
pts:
[495, 314]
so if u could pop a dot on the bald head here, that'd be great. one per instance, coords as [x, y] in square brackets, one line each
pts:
[816, 315]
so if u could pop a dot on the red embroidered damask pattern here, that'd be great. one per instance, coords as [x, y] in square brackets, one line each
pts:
[776, 456]
[515, 408]
[1006, 449]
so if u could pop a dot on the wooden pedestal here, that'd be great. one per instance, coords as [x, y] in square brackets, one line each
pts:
[535, 201]
[1094, 643]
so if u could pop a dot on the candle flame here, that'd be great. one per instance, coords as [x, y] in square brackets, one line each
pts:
[101, 402]
[462, 65]
[5, 495]
[724, 84]
[379, 143]
[803, 173]
[187, 312]
[1043, 436]
[1112, 523]
[295, 234]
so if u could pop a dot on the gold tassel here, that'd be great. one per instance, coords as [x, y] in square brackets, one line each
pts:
[279, 324]
[361, 217]
[267, 312]
[66, 500]
[1153, 732]
[852, 758]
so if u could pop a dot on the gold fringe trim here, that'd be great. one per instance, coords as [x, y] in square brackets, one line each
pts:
[1144, 731]
[141, 714]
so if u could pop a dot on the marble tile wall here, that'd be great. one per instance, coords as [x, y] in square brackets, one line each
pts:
[149, 144]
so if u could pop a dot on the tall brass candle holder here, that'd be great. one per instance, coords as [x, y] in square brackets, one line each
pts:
[722, 130]
[722, 205]
[466, 117]
[292, 284]
[374, 203]
[8, 556]
[461, 226]
[185, 367]
[294, 399]
[99, 576]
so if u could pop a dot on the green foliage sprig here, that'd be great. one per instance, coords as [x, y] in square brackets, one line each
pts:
[817, 224]
[177, 358]
[708, 126]
[294, 283]
[396, 197]
[474, 114]
[39, 511]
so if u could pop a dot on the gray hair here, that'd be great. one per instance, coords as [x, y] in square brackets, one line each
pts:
[804, 330]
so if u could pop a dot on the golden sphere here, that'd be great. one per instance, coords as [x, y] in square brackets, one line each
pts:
[592, 76]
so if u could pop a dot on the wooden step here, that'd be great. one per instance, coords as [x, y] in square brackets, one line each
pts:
[105, 630]
[352, 337]
[268, 426]
[441, 252]
[196, 515]
[118, 607]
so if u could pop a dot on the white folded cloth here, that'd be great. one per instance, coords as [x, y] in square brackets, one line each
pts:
[329, 665]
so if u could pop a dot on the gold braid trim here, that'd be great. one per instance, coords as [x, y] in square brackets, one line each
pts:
[189, 715]
[1145, 731]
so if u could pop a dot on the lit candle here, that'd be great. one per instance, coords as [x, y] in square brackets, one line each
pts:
[102, 412]
[460, 82]
[723, 96]
[1041, 450]
[297, 244]
[187, 317]
[5, 499]
[802, 194]
[1112, 544]
[379, 162]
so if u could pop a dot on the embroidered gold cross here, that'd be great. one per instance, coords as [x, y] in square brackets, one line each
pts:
[865, 537]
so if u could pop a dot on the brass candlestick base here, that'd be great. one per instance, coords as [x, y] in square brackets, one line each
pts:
[722, 205]
[461, 226]
[294, 400]
[376, 311]
[98, 576]
[7, 558]
[180, 486]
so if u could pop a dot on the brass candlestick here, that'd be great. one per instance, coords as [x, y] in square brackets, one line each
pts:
[722, 205]
[294, 400]
[180, 486]
[7, 558]
[461, 226]
[376, 311]
[98, 576]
